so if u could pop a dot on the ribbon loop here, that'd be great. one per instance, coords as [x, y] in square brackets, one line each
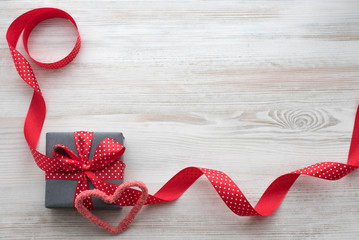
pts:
[61, 151]
[28, 21]
[106, 152]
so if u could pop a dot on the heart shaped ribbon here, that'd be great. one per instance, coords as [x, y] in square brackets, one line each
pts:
[126, 221]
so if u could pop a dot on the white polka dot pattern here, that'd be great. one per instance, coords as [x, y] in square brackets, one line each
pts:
[327, 170]
[24, 69]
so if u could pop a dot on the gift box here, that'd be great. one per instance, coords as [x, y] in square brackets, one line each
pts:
[60, 192]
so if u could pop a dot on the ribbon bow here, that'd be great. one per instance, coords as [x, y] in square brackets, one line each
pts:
[66, 165]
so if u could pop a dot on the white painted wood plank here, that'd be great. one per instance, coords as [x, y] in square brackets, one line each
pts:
[252, 88]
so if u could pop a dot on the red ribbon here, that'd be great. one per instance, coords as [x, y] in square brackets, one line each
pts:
[176, 186]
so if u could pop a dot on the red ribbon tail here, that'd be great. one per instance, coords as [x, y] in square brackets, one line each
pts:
[353, 158]
[82, 185]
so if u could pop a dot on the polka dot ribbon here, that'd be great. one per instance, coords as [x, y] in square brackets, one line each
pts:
[228, 191]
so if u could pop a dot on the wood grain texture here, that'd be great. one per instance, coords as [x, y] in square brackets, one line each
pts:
[252, 88]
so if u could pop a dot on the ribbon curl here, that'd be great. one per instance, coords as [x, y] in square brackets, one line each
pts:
[229, 192]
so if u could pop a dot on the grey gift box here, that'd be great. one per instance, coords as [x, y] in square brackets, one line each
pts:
[60, 193]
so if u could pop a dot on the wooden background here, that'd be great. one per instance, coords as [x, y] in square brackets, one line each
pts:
[252, 88]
